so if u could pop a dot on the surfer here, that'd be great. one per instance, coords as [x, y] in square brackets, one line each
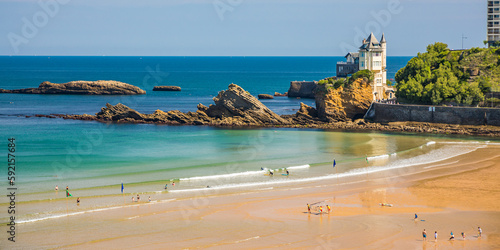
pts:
[271, 173]
[287, 173]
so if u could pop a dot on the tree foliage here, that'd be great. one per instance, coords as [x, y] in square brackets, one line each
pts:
[437, 77]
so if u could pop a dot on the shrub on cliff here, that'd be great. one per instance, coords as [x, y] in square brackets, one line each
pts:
[444, 76]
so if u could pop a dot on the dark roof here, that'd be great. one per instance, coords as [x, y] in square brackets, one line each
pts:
[383, 39]
[371, 43]
[353, 54]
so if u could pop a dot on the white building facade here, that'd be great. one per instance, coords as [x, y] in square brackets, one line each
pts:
[373, 56]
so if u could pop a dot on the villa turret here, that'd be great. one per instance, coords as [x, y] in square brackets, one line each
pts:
[372, 55]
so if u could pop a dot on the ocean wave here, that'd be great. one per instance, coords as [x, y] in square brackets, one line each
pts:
[241, 174]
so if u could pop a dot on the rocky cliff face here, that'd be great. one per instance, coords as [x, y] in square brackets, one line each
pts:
[344, 103]
[81, 88]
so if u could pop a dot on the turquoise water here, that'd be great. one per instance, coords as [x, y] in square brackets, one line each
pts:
[93, 159]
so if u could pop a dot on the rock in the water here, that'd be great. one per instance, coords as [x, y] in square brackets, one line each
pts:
[82, 88]
[235, 102]
[302, 89]
[167, 88]
[279, 94]
[118, 112]
[265, 96]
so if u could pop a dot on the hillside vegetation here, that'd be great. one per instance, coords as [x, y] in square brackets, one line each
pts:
[443, 76]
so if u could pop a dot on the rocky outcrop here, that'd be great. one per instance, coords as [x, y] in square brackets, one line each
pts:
[344, 103]
[167, 88]
[279, 94]
[236, 103]
[302, 89]
[81, 88]
[233, 107]
[265, 96]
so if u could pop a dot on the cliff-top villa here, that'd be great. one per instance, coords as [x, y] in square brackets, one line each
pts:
[372, 56]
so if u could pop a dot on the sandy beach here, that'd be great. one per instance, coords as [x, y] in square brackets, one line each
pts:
[455, 195]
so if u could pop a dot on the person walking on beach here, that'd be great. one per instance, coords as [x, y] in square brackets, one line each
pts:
[452, 236]
[149, 198]
[479, 232]
[308, 208]
[329, 208]
[424, 235]
[416, 217]
[435, 235]
[321, 209]
[463, 235]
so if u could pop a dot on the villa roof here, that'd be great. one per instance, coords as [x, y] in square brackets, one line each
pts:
[383, 39]
[371, 43]
[353, 54]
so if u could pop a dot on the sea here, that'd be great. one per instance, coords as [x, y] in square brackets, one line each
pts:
[95, 160]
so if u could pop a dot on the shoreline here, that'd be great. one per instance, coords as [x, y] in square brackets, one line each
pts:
[278, 217]
[357, 126]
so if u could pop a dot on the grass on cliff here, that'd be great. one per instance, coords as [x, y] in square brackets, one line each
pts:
[335, 83]
[442, 76]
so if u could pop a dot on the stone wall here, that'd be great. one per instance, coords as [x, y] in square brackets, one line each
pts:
[381, 112]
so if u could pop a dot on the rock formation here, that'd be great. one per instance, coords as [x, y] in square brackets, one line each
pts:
[167, 88]
[302, 89]
[279, 94]
[344, 103]
[265, 96]
[233, 107]
[81, 88]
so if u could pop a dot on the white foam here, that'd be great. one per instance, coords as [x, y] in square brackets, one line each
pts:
[299, 167]
[430, 143]
[222, 175]
[378, 157]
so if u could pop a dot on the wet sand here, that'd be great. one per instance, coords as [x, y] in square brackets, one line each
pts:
[457, 194]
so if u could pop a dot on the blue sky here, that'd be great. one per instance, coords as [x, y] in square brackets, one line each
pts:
[234, 27]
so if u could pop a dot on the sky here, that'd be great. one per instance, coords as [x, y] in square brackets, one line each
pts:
[235, 27]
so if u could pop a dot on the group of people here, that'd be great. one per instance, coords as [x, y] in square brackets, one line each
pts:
[68, 194]
[166, 185]
[320, 208]
[452, 236]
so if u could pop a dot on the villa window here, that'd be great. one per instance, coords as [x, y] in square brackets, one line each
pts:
[377, 54]
[362, 64]
[379, 80]
[376, 64]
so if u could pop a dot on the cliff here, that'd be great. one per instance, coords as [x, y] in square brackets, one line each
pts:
[81, 88]
[345, 102]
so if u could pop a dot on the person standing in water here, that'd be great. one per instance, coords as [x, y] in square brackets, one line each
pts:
[78, 201]
[57, 188]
